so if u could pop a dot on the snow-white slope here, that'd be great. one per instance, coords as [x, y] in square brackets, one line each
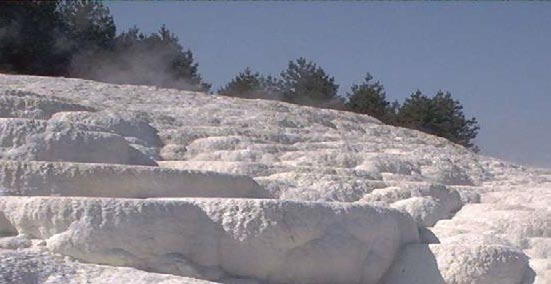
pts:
[351, 200]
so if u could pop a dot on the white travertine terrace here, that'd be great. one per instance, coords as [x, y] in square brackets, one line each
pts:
[33, 178]
[134, 184]
[278, 241]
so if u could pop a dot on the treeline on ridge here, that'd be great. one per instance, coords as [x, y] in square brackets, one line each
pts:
[305, 83]
[79, 39]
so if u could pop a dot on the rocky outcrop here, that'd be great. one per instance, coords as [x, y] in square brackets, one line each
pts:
[148, 185]
[271, 240]
[108, 180]
[134, 127]
[26, 266]
[14, 103]
[24, 139]
[459, 264]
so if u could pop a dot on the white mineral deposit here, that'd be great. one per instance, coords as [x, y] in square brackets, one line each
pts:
[106, 183]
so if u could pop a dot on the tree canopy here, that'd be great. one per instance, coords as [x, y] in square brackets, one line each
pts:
[78, 39]
[87, 24]
[440, 115]
[250, 85]
[28, 34]
[305, 83]
[136, 58]
[370, 98]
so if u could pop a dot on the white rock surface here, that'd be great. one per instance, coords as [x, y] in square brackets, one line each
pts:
[30, 267]
[487, 221]
[459, 264]
[39, 140]
[276, 241]
[108, 180]
[123, 123]
[425, 211]
[134, 127]
[426, 202]
[15, 103]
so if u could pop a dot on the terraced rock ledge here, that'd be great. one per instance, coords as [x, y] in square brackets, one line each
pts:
[105, 183]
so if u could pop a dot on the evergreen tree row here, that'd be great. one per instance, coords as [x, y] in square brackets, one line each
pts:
[305, 83]
[77, 38]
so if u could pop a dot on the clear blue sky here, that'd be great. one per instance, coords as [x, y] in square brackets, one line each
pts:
[493, 57]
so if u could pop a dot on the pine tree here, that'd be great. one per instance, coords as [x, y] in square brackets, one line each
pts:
[370, 98]
[304, 83]
[28, 37]
[43, 37]
[251, 86]
[87, 23]
[440, 115]
[157, 59]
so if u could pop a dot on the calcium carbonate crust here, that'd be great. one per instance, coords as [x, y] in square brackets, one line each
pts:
[392, 205]
[275, 241]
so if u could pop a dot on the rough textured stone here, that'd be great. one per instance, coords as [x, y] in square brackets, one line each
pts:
[459, 264]
[425, 211]
[22, 104]
[28, 139]
[134, 127]
[483, 217]
[275, 241]
[107, 180]
[29, 267]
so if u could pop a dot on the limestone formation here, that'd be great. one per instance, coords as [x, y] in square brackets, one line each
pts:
[459, 264]
[14, 103]
[109, 183]
[25, 139]
[26, 266]
[108, 180]
[275, 241]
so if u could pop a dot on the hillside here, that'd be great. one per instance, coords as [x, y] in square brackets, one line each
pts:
[118, 183]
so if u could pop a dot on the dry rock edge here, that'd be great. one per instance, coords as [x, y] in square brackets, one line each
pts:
[295, 194]
[20, 266]
[107, 180]
[459, 264]
[24, 139]
[271, 240]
